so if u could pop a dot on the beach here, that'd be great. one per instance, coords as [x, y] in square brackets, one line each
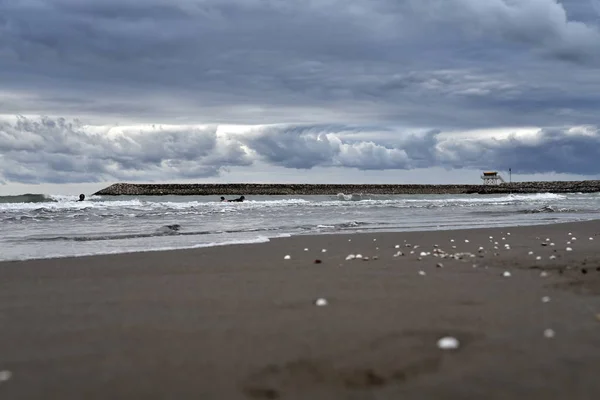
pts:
[241, 321]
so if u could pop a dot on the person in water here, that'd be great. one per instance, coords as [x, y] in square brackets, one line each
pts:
[223, 199]
[81, 197]
[238, 200]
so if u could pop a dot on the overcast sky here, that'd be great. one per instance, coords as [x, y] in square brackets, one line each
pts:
[298, 90]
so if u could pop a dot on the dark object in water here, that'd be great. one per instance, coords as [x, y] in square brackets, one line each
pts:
[238, 200]
[81, 197]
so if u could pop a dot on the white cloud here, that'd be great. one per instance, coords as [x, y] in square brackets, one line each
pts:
[61, 151]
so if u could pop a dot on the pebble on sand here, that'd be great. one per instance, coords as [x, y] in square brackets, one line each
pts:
[5, 375]
[543, 274]
[538, 258]
[422, 273]
[306, 249]
[549, 333]
[321, 302]
[439, 265]
[506, 274]
[569, 249]
[545, 299]
[530, 253]
[591, 238]
[350, 257]
[317, 261]
[552, 257]
[448, 343]
[324, 251]
[466, 240]
[287, 257]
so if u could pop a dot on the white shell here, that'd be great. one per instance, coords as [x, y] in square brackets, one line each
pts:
[448, 343]
[5, 375]
[287, 257]
[321, 302]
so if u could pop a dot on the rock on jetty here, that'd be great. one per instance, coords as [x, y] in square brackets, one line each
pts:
[213, 189]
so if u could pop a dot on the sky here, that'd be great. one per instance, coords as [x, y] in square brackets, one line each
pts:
[313, 91]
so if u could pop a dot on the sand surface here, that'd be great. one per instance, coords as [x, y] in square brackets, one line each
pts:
[240, 322]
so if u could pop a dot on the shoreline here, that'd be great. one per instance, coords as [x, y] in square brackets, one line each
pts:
[132, 189]
[241, 322]
[266, 239]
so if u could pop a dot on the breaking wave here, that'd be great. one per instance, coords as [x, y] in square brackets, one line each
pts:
[27, 198]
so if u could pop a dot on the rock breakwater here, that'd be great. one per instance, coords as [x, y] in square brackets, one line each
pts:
[213, 189]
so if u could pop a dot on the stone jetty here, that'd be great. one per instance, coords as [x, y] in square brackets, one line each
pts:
[229, 189]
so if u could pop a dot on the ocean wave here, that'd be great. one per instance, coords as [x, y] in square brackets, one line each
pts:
[26, 198]
[166, 230]
[549, 209]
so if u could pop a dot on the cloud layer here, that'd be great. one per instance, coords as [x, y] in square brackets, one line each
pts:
[359, 84]
[59, 151]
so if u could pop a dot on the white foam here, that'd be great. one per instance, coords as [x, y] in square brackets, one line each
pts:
[256, 240]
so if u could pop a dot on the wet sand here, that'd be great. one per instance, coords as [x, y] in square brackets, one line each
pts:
[240, 322]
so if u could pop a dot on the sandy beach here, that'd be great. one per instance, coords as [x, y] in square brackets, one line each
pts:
[240, 322]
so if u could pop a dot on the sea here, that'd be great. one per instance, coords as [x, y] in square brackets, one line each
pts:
[34, 226]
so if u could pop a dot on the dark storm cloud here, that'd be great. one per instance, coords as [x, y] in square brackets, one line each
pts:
[435, 63]
[547, 151]
[310, 66]
[550, 150]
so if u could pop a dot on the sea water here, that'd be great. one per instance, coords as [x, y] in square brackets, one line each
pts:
[46, 226]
